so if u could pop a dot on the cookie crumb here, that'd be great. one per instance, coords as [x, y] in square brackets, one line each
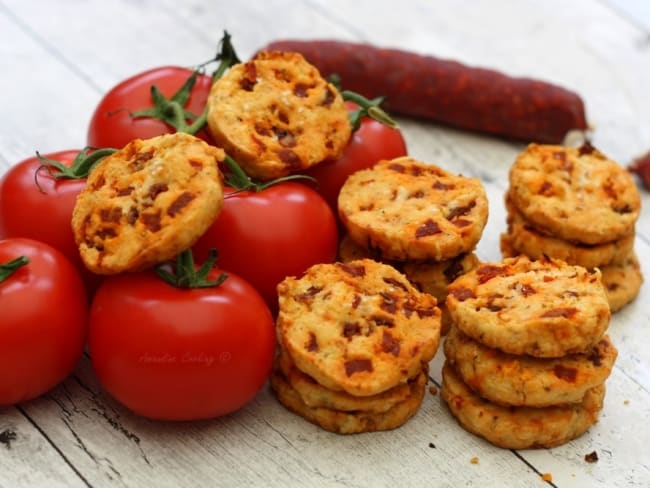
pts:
[433, 390]
[592, 457]
[474, 460]
[626, 402]
[432, 445]
[548, 477]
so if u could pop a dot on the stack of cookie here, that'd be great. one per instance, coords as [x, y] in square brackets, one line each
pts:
[577, 205]
[355, 340]
[527, 356]
[418, 217]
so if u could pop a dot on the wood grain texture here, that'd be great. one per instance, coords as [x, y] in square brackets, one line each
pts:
[53, 77]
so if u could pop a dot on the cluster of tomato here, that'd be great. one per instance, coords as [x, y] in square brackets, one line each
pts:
[164, 352]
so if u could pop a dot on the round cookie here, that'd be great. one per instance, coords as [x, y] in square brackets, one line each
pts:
[360, 326]
[408, 210]
[315, 395]
[622, 282]
[545, 308]
[575, 194]
[350, 250]
[435, 277]
[147, 202]
[523, 380]
[342, 422]
[525, 239]
[276, 115]
[519, 427]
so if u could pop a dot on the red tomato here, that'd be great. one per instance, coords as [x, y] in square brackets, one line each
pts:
[35, 205]
[268, 235]
[373, 142]
[43, 320]
[180, 354]
[112, 124]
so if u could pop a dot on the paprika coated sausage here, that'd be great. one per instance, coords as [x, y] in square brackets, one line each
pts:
[448, 92]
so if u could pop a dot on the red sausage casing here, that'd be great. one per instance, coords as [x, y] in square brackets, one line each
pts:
[449, 92]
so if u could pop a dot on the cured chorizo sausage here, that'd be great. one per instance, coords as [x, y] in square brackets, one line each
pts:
[447, 91]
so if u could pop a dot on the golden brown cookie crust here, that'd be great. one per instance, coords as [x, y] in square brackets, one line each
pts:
[434, 278]
[342, 422]
[544, 308]
[525, 239]
[407, 210]
[622, 282]
[276, 115]
[360, 327]
[519, 427]
[147, 202]
[522, 380]
[576, 194]
[315, 395]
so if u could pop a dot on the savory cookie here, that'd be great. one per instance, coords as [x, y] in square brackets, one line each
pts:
[360, 326]
[350, 250]
[523, 380]
[525, 239]
[408, 210]
[576, 194]
[519, 427]
[435, 277]
[622, 282]
[545, 308]
[276, 115]
[315, 395]
[147, 202]
[342, 422]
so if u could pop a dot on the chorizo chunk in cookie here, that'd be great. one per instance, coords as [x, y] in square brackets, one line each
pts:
[276, 115]
[147, 202]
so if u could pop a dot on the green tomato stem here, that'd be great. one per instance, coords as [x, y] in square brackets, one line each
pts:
[80, 168]
[185, 274]
[10, 267]
[240, 181]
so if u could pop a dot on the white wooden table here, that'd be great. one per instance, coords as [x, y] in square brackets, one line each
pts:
[58, 58]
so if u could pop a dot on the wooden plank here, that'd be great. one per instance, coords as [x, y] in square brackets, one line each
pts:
[29, 457]
[262, 444]
[43, 101]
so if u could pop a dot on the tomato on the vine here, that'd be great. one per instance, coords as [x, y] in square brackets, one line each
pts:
[37, 203]
[372, 142]
[180, 354]
[43, 325]
[158, 101]
[113, 124]
[265, 236]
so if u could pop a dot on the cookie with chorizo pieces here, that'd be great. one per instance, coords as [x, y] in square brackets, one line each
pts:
[147, 202]
[411, 211]
[276, 115]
